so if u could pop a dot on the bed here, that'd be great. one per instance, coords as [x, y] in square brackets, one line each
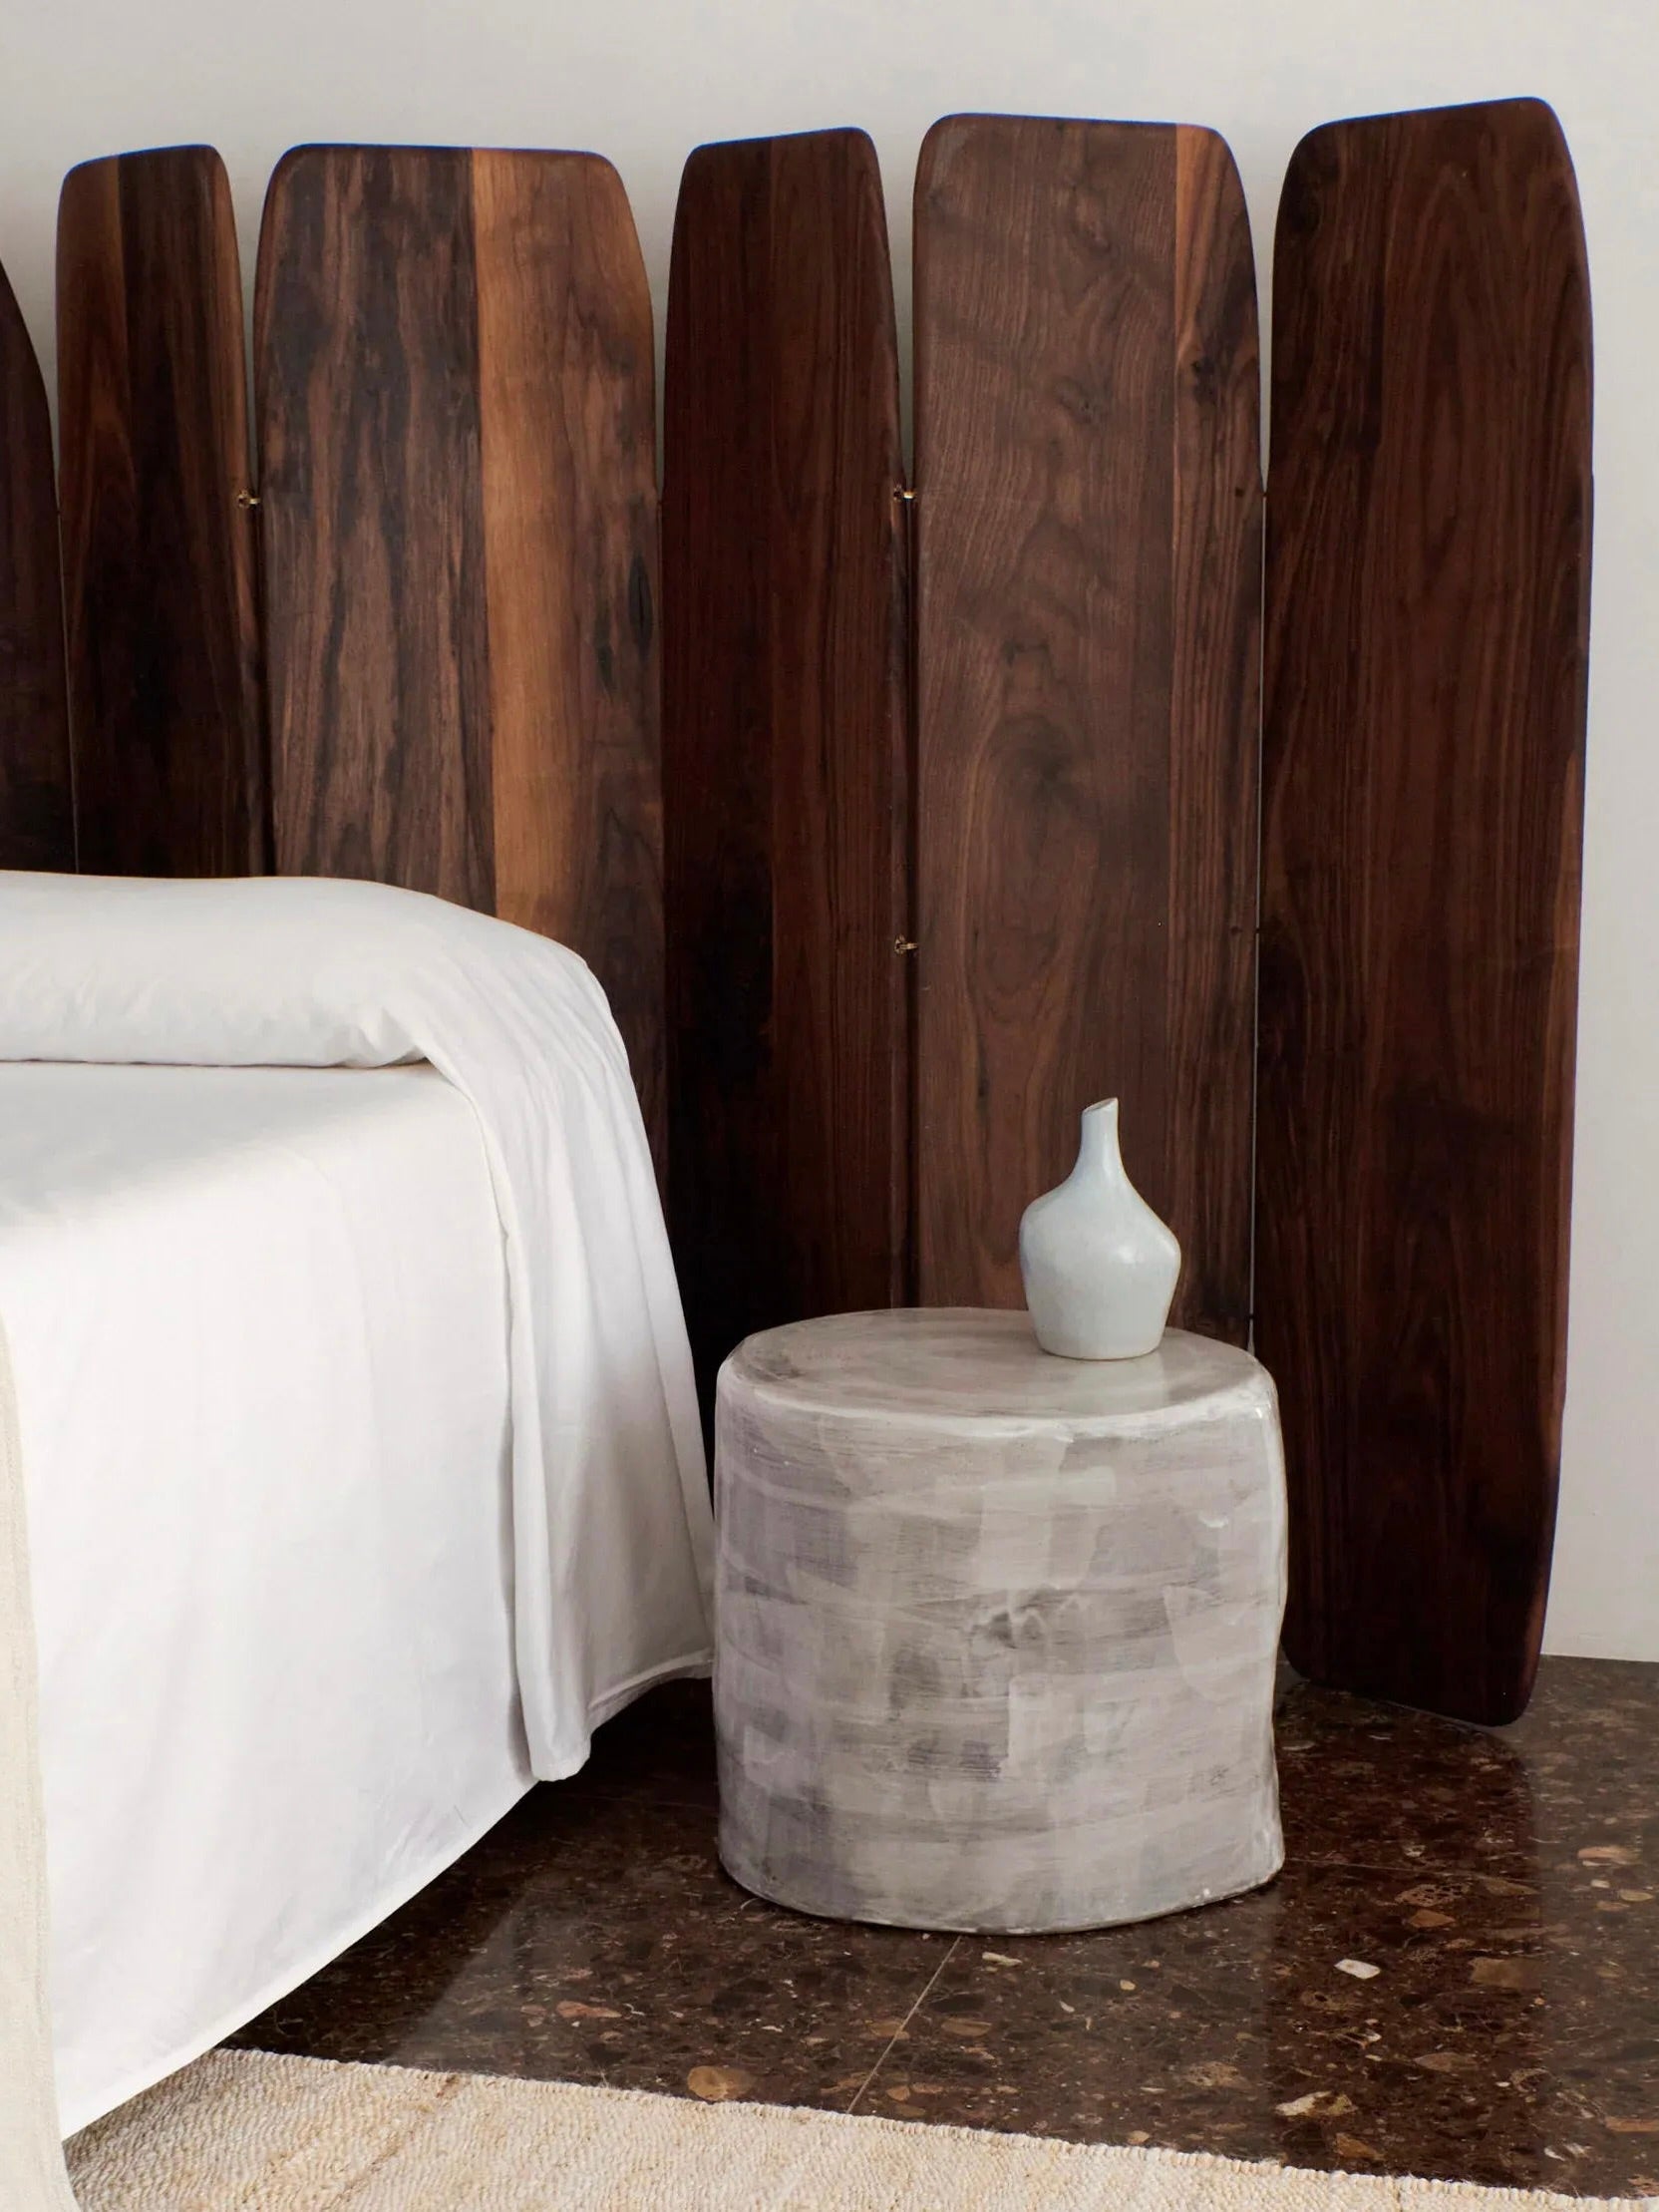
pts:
[360, 1450]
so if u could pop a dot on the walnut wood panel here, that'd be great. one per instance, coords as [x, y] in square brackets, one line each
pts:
[158, 550]
[1426, 638]
[454, 384]
[1089, 560]
[371, 514]
[784, 739]
[36, 823]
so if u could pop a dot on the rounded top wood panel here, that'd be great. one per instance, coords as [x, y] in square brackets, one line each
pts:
[977, 1366]
[784, 739]
[1088, 550]
[160, 623]
[1425, 654]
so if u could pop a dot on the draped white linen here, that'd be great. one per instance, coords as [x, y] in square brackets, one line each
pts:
[613, 1527]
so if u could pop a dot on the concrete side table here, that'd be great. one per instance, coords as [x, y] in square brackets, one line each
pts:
[996, 1631]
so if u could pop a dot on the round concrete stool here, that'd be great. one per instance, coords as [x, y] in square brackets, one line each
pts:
[996, 1631]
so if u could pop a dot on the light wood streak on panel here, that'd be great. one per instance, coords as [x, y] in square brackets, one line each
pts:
[567, 450]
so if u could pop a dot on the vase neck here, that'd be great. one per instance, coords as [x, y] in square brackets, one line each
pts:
[1098, 1154]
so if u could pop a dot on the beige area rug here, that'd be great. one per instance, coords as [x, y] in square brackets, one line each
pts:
[241, 2131]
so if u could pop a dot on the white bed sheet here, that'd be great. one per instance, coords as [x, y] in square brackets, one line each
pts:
[614, 1533]
[258, 1320]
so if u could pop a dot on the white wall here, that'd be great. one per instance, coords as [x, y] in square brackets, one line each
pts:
[645, 79]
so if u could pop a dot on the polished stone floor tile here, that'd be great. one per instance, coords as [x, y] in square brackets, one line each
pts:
[1456, 1972]
[1247, 2029]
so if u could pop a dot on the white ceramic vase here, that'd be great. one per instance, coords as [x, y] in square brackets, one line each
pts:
[1099, 1268]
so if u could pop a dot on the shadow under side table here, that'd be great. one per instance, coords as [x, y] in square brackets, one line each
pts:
[996, 1631]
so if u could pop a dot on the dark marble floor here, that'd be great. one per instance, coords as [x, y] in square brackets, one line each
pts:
[1456, 1972]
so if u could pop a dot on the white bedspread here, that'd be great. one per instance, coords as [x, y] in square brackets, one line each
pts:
[611, 1524]
[258, 1320]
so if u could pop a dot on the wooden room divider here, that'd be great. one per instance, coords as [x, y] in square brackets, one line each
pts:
[1086, 590]
[961, 775]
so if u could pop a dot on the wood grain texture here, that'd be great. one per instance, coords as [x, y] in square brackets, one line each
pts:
[37, 827]
[1088, 550]
[785, 740]
[366, 381]
[159, 551]
[567, 417]
[455, 389]
[1425, 654]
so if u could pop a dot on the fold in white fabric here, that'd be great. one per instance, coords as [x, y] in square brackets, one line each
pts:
[32, 2175]
[613, 1527]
